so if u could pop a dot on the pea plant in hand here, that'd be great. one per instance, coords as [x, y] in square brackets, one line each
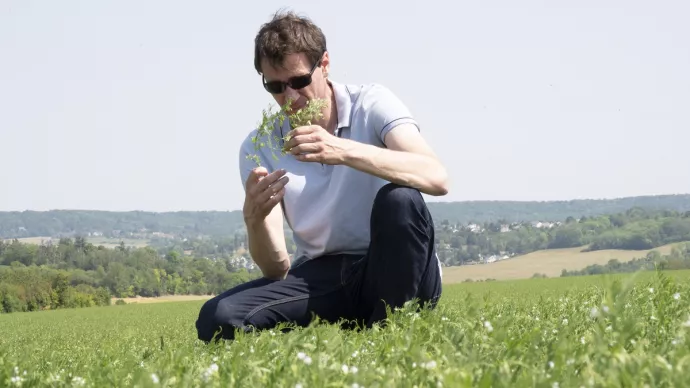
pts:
[305, 116]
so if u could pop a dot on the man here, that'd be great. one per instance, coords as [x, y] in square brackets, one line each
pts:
[349, 187]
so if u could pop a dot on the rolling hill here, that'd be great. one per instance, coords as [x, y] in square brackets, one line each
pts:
[225, 223]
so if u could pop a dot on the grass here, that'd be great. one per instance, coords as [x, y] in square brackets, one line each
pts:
[165, 298]
[549, 262]
[623, 330]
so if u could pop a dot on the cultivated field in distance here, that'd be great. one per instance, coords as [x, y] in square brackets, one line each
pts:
[105, 241]
[549, 262]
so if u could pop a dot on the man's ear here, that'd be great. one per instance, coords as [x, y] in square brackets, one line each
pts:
[325, 64]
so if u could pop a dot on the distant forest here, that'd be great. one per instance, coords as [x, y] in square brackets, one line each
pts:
[71, 223]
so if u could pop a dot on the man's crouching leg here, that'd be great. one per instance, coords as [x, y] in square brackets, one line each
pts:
[401, 264]
[312, 289]
[220, 316]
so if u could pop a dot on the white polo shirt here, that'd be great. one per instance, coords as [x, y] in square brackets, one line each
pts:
[328, 207]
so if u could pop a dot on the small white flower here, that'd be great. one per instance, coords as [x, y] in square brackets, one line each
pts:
[551, 364]
[210, 371]
[444, 319]
[429, 365]
[565, 322]
[307, 360]
[555, 385]
[488, 326]
[594, 312]
[651, 290]
[154, 378]
[301, 355]
[355, 354]
[345, 369]
[676, 296]
[582, 340]
[298, 385]
[605, 308]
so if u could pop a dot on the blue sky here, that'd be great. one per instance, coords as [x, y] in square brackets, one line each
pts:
[124, 105]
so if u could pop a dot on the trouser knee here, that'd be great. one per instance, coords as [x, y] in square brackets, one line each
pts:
[216, 322]
[400, 205]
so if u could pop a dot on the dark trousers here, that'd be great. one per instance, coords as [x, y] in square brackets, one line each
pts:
[400, 265]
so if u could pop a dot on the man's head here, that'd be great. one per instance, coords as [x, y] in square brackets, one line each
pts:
[290, 54]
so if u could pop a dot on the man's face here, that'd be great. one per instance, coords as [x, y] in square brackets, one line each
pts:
[296, 65]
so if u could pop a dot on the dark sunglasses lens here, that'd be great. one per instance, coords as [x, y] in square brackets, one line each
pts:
[274, 87]
[300, 82]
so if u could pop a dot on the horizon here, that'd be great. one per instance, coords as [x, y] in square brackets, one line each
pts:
[434, 202]
[524, 104]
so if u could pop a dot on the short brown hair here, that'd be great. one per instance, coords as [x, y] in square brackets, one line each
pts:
[287, 33]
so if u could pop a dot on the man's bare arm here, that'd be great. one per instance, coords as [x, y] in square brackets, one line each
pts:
[263, 218]
[408, 161]
[267, 244]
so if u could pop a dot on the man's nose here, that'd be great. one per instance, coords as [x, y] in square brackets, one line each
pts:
[291, 94]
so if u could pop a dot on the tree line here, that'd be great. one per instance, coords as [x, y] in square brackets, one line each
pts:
[679, 258]
[75, 273]
[634, 229]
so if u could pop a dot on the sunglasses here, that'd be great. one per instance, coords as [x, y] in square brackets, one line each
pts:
[296, 83]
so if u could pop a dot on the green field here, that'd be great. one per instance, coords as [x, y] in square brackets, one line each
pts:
[623, 330]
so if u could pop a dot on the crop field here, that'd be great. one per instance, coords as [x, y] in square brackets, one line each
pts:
[626, 330]
[549, 262]
[105, 241]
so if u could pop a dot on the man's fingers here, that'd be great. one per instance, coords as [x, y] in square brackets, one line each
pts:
[274, 200]
[299, 135]
[302, 130]
[267, 180]
[305, 148]
[273, 189]
[255, 175]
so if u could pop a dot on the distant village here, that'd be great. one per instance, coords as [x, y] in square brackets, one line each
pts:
[503, 228]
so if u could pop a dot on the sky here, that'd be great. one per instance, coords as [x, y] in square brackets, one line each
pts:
[142, 105]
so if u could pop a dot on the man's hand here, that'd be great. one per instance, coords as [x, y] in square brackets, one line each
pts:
[264, 191]
[313, 143]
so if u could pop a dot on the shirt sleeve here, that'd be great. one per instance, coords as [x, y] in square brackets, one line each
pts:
[247, 163]
[386, 112]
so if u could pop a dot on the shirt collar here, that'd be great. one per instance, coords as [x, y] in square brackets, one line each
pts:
[343, 102]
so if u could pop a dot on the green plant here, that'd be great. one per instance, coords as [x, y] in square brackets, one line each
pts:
[312, 111]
